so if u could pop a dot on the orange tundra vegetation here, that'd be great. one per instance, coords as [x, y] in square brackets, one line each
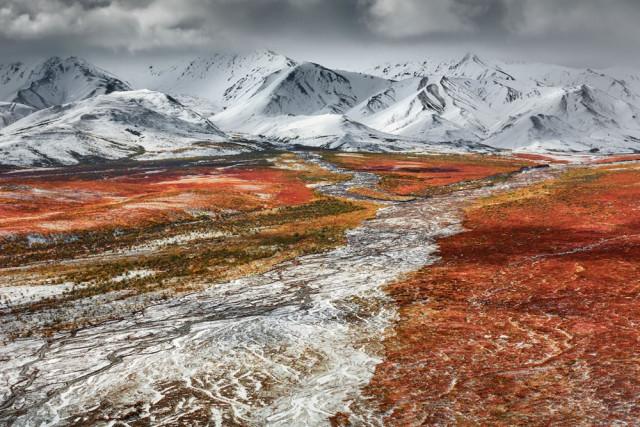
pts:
[185, 224]
[530, 318]
[419, 175]
[54, 202]
[620, 158]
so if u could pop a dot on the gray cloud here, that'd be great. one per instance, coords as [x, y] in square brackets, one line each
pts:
[530, 18]
[88, 4]
[488, 15]
[563, 27]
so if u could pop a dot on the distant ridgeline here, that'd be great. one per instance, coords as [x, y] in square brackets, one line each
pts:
[64, 111]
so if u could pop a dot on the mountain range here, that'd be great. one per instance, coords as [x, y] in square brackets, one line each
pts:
[67, 110]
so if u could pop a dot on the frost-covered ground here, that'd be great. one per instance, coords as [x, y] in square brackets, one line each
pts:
[14, 295]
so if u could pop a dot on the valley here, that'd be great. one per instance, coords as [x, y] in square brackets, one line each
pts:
[247, 239]
[212, 287]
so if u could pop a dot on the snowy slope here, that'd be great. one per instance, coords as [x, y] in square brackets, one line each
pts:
[55, 81]
[386, 98]
[578, 119]
[221, 79]
[338, 132]
[421, 114]
[137, 124]
[470, 66]
[322, 131]
[452, 104]
[306, 89]
[439, 108]
[530, 107]
[310, 105]
[11, 112]
[629, 77]
[13, 77]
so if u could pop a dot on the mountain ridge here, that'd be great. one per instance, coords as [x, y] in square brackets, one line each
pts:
[132, 124]
[56, 81]
[459, 104]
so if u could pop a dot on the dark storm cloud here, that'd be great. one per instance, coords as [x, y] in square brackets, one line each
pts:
[144, 24]
[88, 4]
[527, 18]
[487, 15]
[300, 16]
[179, 25]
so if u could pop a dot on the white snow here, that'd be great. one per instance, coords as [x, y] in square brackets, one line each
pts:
[55, 81]
[217, 80]
[133, 274]
[11, 296]
[460, 104]
[143, 124]
[11, 112]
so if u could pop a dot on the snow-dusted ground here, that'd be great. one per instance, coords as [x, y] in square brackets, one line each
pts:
[15, 295]
[288, 347]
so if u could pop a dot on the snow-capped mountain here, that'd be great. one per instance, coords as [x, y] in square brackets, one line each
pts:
[13, 77]
[135, 124]
[575, 119]
[305, 89]
[419, 109]
[470, 66]
[55, 81]
[338, 132]
[530, 107]
[439, 108]
[306, 104]
[222, 79]
[462, 104]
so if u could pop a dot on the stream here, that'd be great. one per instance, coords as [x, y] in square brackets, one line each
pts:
[292, 346]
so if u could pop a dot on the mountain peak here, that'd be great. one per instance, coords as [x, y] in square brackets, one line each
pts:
[219, 78]
[473, 67]
[471, 59]
[139, 123]
[57, 81]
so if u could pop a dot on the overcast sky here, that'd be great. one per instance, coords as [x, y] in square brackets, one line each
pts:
[342, 33]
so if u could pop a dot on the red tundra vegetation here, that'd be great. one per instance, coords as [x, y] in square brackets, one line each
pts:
[620, 158]
[532, 315]
[418, 175]
[157, 229]
[54, 201]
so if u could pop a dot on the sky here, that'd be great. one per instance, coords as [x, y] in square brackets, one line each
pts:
[338, 33]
